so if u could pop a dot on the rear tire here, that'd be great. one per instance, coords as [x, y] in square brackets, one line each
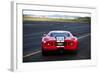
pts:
[71, 52]
[44, 53]
[75, 52]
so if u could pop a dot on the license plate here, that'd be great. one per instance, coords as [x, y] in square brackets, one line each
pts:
[60, 44]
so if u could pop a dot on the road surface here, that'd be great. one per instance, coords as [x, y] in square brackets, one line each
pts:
[33, 31]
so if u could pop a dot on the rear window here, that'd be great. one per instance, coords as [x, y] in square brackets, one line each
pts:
[60, 35]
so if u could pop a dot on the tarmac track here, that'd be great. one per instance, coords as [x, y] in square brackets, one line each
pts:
[33, 31]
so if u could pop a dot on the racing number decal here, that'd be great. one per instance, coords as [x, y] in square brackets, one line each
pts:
[60, 39]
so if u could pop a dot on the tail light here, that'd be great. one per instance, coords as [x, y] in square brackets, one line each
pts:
[50, 43]
[71, 43]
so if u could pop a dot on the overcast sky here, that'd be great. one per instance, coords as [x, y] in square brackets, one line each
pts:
[30, 12]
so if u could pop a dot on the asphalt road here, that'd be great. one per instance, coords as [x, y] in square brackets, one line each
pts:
[33, 31]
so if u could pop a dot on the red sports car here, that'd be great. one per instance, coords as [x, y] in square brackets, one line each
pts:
[59, 41]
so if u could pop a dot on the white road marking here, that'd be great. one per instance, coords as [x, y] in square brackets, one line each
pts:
[33, 53]
[83, 36]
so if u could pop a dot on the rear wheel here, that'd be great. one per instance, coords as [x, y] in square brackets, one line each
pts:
[44, 53]
[71, 51]
[75, 51]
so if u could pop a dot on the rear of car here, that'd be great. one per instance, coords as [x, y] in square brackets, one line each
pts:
[59, 40]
